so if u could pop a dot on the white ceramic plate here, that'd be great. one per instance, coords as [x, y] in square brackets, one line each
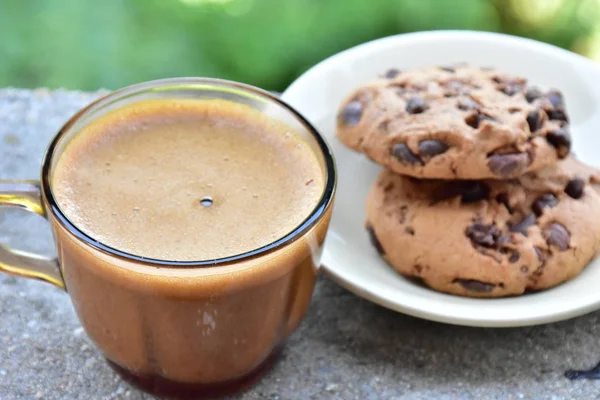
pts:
[350, 259]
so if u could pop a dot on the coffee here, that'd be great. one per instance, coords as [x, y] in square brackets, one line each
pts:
[187, 180]
[189, 216]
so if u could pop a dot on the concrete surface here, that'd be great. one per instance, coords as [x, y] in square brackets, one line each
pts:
[347, 348]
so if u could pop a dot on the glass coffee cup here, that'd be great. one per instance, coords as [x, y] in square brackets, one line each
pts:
[180, 328]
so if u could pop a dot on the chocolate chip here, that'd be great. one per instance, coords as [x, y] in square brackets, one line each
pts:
[506, 165]
[535, 120]
[502, 198]
[514, 257]
[575, 188]
[532, 94]
[512, 88]
[503, 240]
[470, 191]
[409, 230]
[415, 105]
[557, 235]
[473, 191]
[475, 285]
[474, 120]
[484, 235]
[392, 73]
[556, 99]
[447, 68]
[432, 147]
[558, 115]
[561, 139]
[403, 154]
[467, 103]
[556, 111]
[546, 200]
[352, 113]
[521, 226]
[374, 240]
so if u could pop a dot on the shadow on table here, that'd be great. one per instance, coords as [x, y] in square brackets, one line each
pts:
[358, 333]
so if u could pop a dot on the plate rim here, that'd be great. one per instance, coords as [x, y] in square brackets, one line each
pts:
[382, 301]
[365, 291]
[445, 34]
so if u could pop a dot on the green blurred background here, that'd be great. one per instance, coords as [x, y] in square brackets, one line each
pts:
[85, 44]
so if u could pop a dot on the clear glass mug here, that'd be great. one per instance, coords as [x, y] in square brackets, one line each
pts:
[180, 328]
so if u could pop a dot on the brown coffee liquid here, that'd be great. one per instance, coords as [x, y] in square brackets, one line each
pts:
[168, 389]
[187, 180]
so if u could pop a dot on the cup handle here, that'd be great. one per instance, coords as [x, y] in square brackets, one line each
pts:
[27, 195]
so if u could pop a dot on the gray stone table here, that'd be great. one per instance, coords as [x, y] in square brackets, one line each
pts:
[347, 348]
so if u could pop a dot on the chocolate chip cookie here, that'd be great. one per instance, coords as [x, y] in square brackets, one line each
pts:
[456, 122]
[488, 238]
